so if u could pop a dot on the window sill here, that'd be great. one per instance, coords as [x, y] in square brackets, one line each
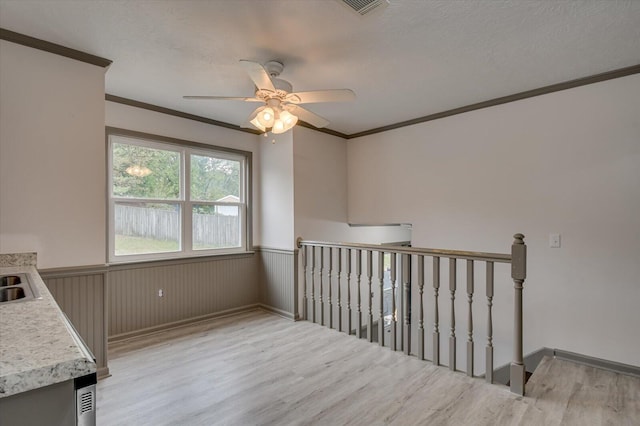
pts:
[126, 264]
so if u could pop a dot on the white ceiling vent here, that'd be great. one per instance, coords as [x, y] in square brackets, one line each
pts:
[364, 6]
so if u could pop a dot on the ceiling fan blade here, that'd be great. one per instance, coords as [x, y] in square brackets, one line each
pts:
[306, 115]
[258, 74]
[336, 95]
[225, 98]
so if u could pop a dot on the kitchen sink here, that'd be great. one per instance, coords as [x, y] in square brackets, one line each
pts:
[17, 288]
[10, 280]
[11, 294]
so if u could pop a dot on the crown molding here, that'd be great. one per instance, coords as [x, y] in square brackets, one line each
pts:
[324, 130]
[597, 78]
[570, 84]
[56, 49]
[176, 113]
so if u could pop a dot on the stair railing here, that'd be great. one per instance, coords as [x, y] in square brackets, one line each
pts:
[339, 273]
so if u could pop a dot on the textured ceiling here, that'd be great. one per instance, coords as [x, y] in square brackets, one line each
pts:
[408, 60]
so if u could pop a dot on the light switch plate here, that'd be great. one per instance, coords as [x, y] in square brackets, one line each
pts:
[554, 240]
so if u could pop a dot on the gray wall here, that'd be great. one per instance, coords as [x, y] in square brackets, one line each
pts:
[80, 292]
[193, 288]
[278, 289]
[199, 288]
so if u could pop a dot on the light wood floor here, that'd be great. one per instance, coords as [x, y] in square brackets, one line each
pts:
[259, 369]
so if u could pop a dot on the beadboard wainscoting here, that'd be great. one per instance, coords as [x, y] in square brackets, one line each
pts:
[150, 296]
[278, 271]
[116, 302]
[81, 294]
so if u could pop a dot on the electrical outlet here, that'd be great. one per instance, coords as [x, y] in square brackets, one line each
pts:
[554, 240]
[160, 293]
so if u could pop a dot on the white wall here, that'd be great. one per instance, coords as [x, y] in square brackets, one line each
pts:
[320, 183]
[155, 123]
[52, 167]
[276, 192]
[566, 162]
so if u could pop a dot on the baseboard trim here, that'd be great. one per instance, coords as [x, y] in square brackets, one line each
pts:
[181, 323]
[604, 364]
[279, 312]
[533, 359]
[103, 373]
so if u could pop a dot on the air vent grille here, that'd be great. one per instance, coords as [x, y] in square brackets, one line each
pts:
[364, 6]
[86, 402]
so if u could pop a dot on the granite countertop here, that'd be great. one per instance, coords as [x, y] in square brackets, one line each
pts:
[37, 348]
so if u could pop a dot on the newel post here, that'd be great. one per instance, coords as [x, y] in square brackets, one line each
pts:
[518, 274]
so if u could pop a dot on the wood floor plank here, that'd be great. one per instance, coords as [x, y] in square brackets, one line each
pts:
[259, 369]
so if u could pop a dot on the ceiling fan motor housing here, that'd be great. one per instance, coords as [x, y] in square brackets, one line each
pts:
[281, 84]
[274, 68]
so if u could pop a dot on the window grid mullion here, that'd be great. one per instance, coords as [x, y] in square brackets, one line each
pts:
[187, 220]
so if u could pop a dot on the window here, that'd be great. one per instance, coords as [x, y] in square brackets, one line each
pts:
[172, 198]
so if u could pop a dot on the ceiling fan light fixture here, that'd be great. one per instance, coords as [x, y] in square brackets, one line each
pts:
[257, 124]
[278, 127]
[266, 117]
[288, 119]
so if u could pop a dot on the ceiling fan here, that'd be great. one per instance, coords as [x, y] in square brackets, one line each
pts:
[281, 109]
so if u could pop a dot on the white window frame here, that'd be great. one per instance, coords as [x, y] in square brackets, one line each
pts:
[185, 150]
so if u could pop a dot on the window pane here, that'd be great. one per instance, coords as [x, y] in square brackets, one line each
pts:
[216, 227]
[215, 179]
[142, 228]
[141, 172]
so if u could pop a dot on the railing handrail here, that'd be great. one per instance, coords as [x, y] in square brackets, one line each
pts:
[455, 254]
